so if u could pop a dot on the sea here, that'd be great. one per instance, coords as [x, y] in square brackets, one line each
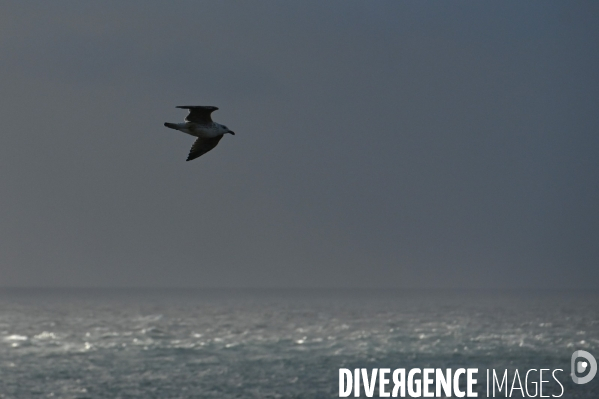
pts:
[240, 343]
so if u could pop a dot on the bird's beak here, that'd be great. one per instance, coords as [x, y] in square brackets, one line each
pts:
[232, 132]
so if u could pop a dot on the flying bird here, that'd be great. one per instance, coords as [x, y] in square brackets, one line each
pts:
[199, 124]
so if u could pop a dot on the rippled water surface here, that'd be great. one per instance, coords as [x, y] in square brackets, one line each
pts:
[271, 344]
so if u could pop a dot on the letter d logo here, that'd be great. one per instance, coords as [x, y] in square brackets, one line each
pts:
[581, 366]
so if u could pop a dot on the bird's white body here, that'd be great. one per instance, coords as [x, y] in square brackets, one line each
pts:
[205, 131]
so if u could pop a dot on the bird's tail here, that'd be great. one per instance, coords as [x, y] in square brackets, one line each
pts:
[171, 125]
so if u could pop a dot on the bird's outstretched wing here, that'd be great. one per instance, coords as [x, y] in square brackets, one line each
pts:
[202, 146]
[199, 113]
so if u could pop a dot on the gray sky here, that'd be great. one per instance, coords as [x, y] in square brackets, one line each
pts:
[379, 144]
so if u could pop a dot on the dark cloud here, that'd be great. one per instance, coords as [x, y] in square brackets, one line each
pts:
[380, 145]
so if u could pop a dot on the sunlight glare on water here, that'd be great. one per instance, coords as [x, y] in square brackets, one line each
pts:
[270, 344]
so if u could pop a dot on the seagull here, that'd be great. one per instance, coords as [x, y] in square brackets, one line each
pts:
[199, 124]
